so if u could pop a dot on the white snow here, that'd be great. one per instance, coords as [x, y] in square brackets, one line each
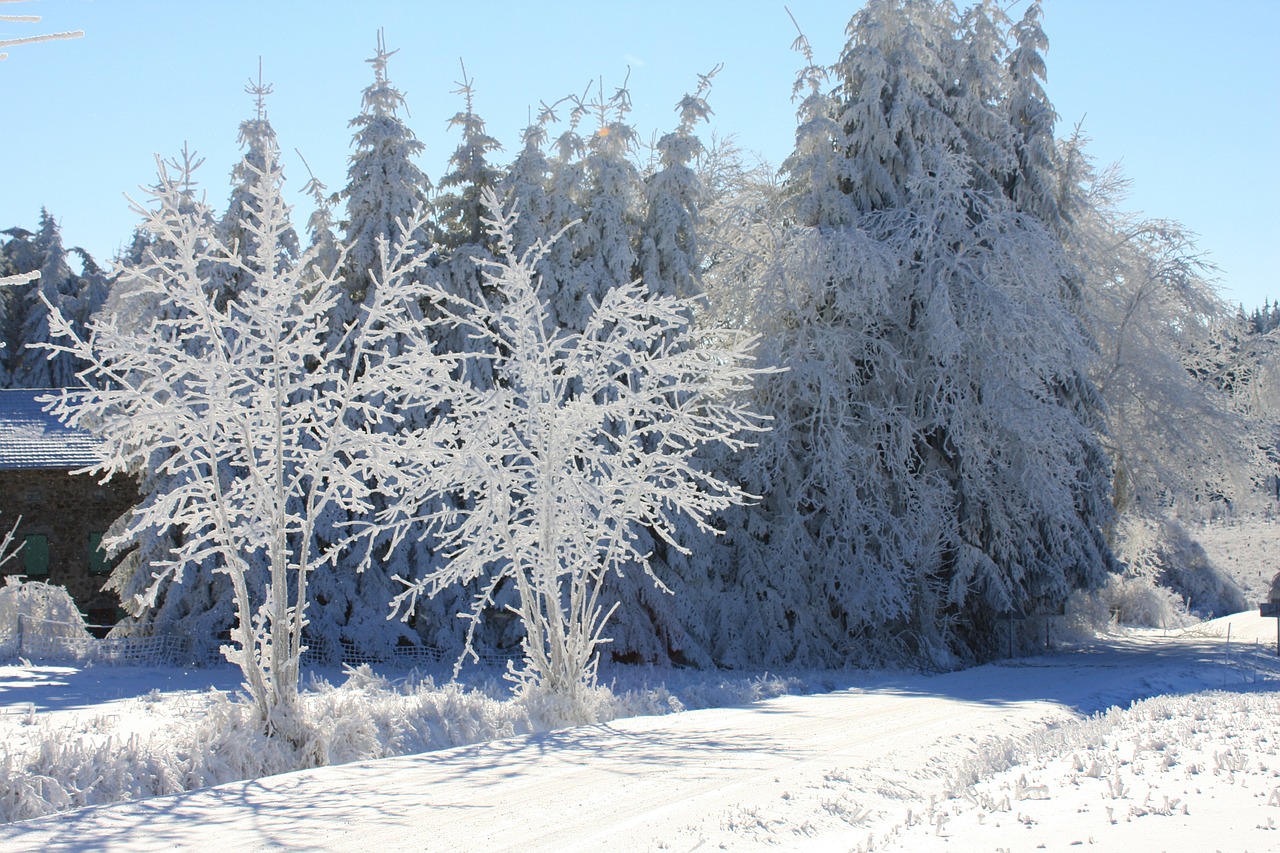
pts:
[998, 755]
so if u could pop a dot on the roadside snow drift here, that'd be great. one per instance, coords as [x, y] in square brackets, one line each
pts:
[959, 760]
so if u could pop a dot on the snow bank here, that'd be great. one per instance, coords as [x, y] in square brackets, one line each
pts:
[54, 762]
[1170, 773]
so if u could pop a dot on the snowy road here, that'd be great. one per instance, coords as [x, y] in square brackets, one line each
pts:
[808, 772]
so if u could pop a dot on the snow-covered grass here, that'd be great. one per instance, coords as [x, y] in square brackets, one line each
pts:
[157, 742]
[997, 756]
[1169, 773]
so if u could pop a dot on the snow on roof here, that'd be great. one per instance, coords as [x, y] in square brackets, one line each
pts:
[32, 438]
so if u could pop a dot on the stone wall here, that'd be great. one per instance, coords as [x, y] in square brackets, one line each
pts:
[68, 510]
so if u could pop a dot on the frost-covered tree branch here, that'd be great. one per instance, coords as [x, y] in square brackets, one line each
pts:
[258, 424]
[587, 437]
[32, 19]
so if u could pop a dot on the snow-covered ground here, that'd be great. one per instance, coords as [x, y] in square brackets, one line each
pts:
[999, 755]
[1034, 753]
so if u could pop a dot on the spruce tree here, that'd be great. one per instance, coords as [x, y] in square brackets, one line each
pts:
[934, 460]
[258, 140]
[1033, 185]
[384, 185]
[385, 192]
[57, 286]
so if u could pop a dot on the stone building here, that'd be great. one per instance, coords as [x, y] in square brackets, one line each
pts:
[60, 515]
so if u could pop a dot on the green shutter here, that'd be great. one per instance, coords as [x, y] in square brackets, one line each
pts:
[35, 555]
[98, 562]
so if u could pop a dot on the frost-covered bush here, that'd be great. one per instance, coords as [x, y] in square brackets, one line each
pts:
[1186, 569]
[1167, 581]
[36, 608]
[261, 426]
[49, 767]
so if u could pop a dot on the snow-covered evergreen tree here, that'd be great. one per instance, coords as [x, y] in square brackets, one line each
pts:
[57, 285]
[980, 96]
[458, 201]
[606, 187]
[934, 460]
[384, 185]
[669, 256]
[1034, 185]
[258, 140]
[385, 193]
[525, 184]
[322, 238]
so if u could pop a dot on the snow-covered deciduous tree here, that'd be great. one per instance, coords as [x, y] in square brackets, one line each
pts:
[9, 545]
[193, 600]
[259, 424]
[1174, 433]
[34, 19]
[587, 437]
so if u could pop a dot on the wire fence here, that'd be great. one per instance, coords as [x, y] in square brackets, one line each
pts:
[324, 651]
[51, 641]
[48, 640]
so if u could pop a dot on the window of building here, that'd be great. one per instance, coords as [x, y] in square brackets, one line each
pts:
[35, 555]
[98, 562]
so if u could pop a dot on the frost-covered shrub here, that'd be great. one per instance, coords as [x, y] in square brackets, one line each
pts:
[1135, 601]
[1186, 569]
[46, 610]
[51, 768]
[1168, 577]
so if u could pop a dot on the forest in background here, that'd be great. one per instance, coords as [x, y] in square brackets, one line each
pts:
[990, 389]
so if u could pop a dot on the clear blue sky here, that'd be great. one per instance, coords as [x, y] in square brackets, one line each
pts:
[1183, 93]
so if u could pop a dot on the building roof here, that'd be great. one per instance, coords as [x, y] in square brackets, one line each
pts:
[30, 437]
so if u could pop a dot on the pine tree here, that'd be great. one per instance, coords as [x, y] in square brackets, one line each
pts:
[669, 256]
[1033, 186]
[980, 97]
[258, 140]
[384, 186]
[32, 367]
[525, 184]
[566, 196]
[608, 195]
[322, 239]
[934, 459]
[458, 203]
[385, 194]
